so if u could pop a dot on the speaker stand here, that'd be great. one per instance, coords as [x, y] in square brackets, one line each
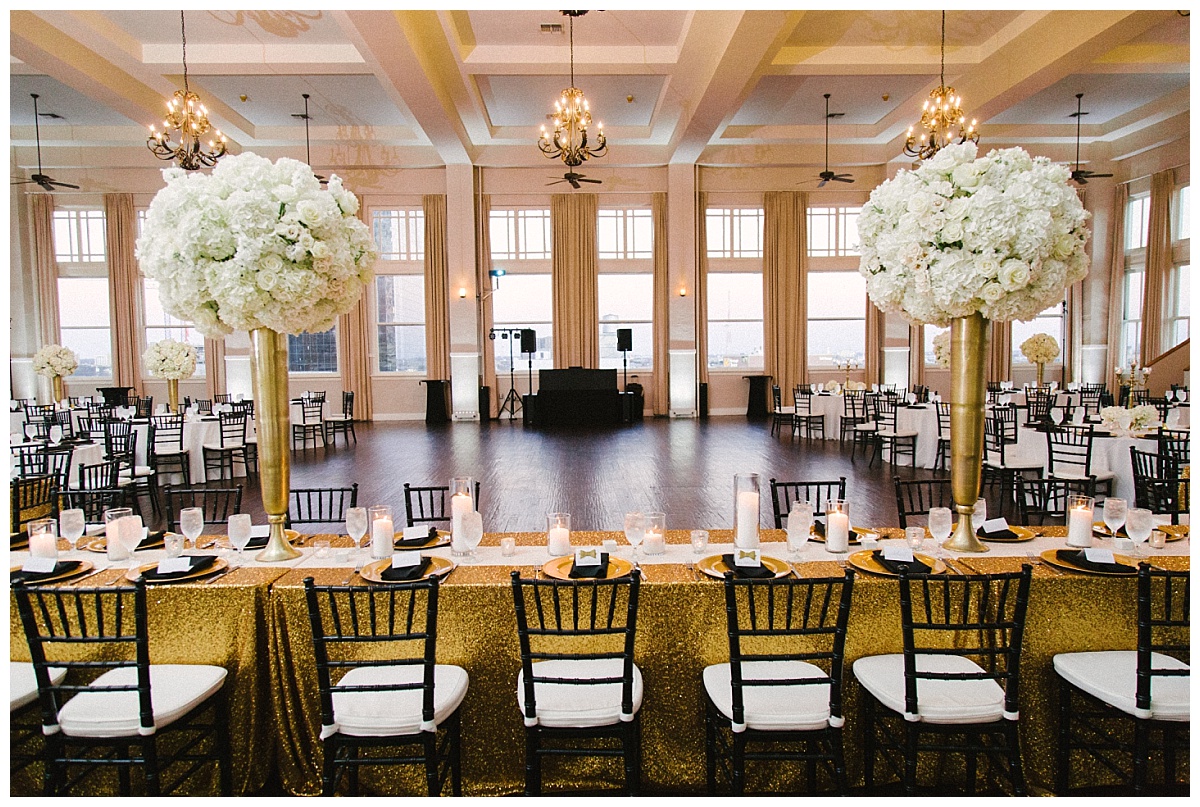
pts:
[512, 401]
[624, 370]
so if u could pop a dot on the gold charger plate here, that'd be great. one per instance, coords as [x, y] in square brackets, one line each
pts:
[560, 568]
[101, 545]
[437, 567]
[714, 566]
[222, 542]
[865, 561]
[1050, 556]
[84, 567]
[133, 574]
[855, 534]
[1023, 534]
[442, 539]
[1175, 532]
[18, 540]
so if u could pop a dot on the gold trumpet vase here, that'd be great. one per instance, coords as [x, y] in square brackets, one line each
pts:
[1041, 370]
[269, 368]
[57, 383]
[968, 394]
[172, 395]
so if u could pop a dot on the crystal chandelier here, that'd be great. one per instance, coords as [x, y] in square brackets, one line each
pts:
[572, 117]
[942, 118]
[189, 117]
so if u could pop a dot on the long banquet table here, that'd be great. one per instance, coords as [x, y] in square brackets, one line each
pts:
[253, 621]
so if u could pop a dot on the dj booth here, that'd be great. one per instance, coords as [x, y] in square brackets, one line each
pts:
[578, 396]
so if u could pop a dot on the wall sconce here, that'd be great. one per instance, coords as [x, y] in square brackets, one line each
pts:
[683, 291]
[462, 293]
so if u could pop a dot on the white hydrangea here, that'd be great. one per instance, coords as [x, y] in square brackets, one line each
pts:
[1001, 235]
[170, 359]
[256, 244]
[54, 360]
[1041, 348]
[941, 349]
[1119, 420]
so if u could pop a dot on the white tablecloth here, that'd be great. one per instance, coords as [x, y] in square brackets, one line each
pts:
[1108, 454]
[195, 434]
[83, 454]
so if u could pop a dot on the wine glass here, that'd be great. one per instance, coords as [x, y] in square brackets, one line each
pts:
[191, 523]
[799, 524]
[129, 534]
[30, 432]
[1056, 415]
[239, 533]
[940, 523]
[472, 528]
[71, 525]
[56, 434]
[356, 525]
[1114, 514]
[635, 531]
[1138, 524]
[1169, 395]
[1181, 395]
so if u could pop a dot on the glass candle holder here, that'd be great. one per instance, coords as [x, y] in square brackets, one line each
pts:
[112, 532]
[558, 534]
[383, 531]
[462, 501]
[1080, 514]
[746, 501]
[656, 533]
[43, 538]
[837, 526]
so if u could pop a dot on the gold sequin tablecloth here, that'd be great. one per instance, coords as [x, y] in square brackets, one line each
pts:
[223, 623]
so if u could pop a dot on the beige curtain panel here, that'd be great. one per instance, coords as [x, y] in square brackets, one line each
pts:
[1000, 352]
[873, 336]
[574, 263]
[662, 301]
[120, 231]
[1158, 265]
[355, 348]
[214, 364]
[1116, 286]
[701, 286]
[483, 281]
[785, 302]
[437, 289]
[41, 208]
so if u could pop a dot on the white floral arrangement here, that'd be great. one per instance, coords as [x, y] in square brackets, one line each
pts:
[55, 360]
[255, 244]
[1041, 348]
[941, 349]
[1000, 235]
[170, 359]
[1121, 420]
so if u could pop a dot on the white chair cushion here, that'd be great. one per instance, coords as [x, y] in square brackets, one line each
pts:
[336, 417]
[175, 690]
[979, 701]
[22, 683]
[391, 714]
[1013, 466]
[866, 427]
[772, 708]
[892, 433]
[579, 705]
[1111, 676]
[170, 453]
[219, 447]
[1069, 474]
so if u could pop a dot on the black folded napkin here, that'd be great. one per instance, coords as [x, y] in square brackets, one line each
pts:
[1103, 530]
[406, 572]
[896, 566]
[599, 571]
[746, 571]
[1077, 558]
[62, 567]
[818, 526]
[196, 563]
[999, 535]
[153, 540]
[413, 543]
[19, 538]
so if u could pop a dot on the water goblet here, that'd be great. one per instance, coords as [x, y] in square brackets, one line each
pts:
[129, 534]
[799, 524]
[1114, 514]
[940, 523]
[1181, 395]
[191, 523]
[71, 525]
[239, 533]
[980, 513]
[356, 526]
[1138, 524]
[1056, 415]
[472, 528]
[30, 432]
[56, 434]
[635, 531]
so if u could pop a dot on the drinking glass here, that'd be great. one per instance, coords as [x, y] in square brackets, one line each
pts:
[635, 530]
[980, 514]
[1114, 514]
[30, 432]
[43, 543]
[356, 525]
[1181, 394]
[915, 537]
[799, 524]
[239, 533]
[130, 535]
[1138, 524]
[1056, 415]
[1169, 395]
[699, 541]
[472, 529]
[941, 523]
[191, 523]
[112, 532]
[56, 434]
[71, 526]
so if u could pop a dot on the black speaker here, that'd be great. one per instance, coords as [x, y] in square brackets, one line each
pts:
[528, 340]
[624, 338]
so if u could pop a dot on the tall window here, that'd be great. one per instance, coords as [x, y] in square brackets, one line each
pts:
[83, 314]
[313, 352]
[837, 319]
[1179, 282]
[400, 289]
[625, 233]
[523, 301]
[1049, 321]
[735, 287]
[931, 333]
[833, 231]
[1137, 230]
[734, 232]
[160, 325]
[625, 285]
[520, 234]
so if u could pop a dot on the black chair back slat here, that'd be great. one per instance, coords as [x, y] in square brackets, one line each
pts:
[1045, 501]
[218, 504]
[423, 504]
[918, 497]
[784, 493]
[1164, 625]
[321, 505]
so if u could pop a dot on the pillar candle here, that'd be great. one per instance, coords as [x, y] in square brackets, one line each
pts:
[837, 532]
[43, 545]
[655, 543]
[558, 541]
[1079, 527]
[383, 534]
[747, 520]
[460, 505]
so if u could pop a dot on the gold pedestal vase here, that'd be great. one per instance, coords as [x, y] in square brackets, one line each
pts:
[173, 395]
[269, 367]
[968, 394]
[1041, 373]
[57, 383]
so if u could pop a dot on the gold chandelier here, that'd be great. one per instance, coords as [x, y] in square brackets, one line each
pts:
[942, 118]
[572, 117]
[189, 117]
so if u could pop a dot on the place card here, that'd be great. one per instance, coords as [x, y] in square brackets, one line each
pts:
[1123, 544]
[899, 553]
[1095, 554]
[747, 557]
[587, 557]
[174, 565]
[413, 533]
[40, 565]
[92, 530]
[260, 531]
[610, 546]
[994, 525]
[405, 560]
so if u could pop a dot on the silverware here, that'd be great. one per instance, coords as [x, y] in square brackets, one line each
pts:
[951, 566]
[969, 567]
[638, 566]
[1037, 560]
[219, 575]
[691, 567]
[88, 576]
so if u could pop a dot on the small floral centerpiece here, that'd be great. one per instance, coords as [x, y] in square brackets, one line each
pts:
[1128, 422]
[173, 361]
[1040, 349]
[941, 349]
[55, 361]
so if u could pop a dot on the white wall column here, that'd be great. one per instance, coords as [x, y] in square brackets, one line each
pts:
[681, 262]
[464, 323]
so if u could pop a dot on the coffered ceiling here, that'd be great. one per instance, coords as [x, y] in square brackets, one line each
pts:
[721, 87]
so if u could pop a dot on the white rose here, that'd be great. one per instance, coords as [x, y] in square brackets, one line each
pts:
[1013, 275]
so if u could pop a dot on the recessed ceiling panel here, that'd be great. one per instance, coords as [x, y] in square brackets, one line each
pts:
[526, 100]
[900, 29]
[1105, 96]
[75, 108]
[339, 100]
[230, 27]
[609, 28]
[798, 100]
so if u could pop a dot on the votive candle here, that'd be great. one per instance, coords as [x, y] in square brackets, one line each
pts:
[1079, 522]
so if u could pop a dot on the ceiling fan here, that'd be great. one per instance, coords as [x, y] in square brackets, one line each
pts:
[39, 178]
[827, 175]
[307, 148]
[1079, 175]
[574, 179]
